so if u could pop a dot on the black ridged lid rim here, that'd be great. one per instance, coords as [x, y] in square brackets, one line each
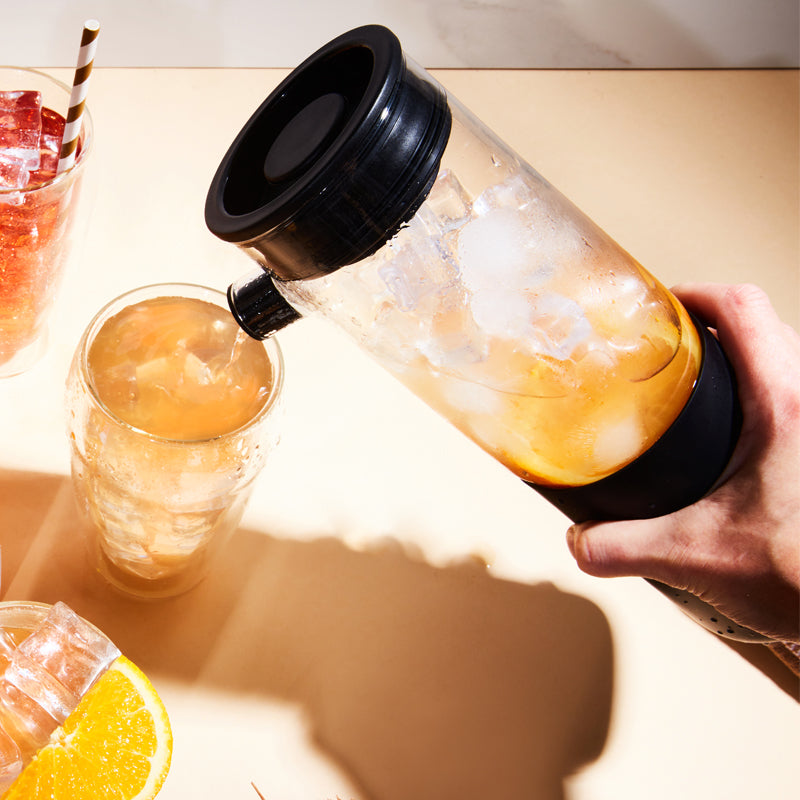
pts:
[334, 160]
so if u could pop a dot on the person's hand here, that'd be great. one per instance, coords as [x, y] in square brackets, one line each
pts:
[739, 547]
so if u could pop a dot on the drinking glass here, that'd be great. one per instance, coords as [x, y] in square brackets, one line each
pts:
[40, 223]
[172, 411]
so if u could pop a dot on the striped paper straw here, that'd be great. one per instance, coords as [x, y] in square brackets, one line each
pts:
[77, 99]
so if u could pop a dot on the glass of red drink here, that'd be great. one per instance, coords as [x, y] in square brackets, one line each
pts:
[38, 209]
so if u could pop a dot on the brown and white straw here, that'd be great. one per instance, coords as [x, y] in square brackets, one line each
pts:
[77, 100]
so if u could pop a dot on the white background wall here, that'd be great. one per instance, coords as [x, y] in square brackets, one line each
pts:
[437, 33]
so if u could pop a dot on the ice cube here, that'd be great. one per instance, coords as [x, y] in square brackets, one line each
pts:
[37, 683]
[52, 130]
[49, 145]
[558, 326]
[21, 126]
[25, 721]
[10, 760]
[155, 371]
[7, 649]
[455, 342]
[70, 649]
[14, 172]
[419, 269]
[30, 142]
[493, 251]
[471, 397]
[197, 372]
[405, 293]
[449, 202]
[503, 313]
[514, 192]
[617, 442]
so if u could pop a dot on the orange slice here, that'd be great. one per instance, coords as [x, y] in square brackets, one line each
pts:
[116, 744]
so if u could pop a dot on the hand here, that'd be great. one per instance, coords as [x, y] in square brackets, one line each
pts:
[738, 548]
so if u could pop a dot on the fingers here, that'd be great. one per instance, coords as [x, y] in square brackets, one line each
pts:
[764, 352]
[725, 306]
[749, 329]
[750, 592]
[653, 548]
[729, 548]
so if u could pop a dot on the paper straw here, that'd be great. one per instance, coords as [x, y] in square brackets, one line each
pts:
[77, 99]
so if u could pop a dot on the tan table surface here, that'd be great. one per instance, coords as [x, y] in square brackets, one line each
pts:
[350, 643]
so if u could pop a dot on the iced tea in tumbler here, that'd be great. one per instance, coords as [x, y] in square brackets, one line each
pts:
[39, 209]
[172, 410]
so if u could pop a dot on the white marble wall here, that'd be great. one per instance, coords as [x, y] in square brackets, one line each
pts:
[437, 33]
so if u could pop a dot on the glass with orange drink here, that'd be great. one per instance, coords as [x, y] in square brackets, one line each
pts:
[171, 413]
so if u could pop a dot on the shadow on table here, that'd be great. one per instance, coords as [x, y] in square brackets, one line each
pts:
[422, 682]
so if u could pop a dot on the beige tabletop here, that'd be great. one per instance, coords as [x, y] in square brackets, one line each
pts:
[353, 641]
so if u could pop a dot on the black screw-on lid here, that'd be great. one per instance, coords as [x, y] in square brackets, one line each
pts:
[334, 161]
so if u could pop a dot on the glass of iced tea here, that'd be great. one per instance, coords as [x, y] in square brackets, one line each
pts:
[172, 410]
[39, 209]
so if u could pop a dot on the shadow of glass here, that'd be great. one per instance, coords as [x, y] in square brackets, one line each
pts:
[421, 681]
[26, 500]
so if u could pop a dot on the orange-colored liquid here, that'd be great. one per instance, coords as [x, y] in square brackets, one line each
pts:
[17, 634]
[524, 324]
[569, 422]
[164, 477]
[179, 368]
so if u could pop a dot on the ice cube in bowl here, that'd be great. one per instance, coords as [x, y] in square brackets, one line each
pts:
[72, 650]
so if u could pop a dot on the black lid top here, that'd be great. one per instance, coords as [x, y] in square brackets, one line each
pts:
[334, 161]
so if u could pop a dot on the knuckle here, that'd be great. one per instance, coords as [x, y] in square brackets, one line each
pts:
[745, 296]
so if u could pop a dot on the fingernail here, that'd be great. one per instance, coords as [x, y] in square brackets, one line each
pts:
[572, 535]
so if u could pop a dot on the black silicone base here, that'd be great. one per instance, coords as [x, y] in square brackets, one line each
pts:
[681, 466]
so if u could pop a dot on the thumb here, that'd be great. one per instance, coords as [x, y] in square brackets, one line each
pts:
[650, 548]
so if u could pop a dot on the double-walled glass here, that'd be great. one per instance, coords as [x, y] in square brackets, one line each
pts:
[39, 227]
[160, 505]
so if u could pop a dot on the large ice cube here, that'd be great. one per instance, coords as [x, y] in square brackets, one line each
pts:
[493, 251]
[546, 324]
[25, 721]
[418, 269]
[20, 132]
[14, 172]
[502, 313]
[513, 193]
[455, 342]
[449, 202]
[49, 145]
[558, 326]
[37, 683]
[616, 442]
[553, 235]
[10, 760]
[70, 649]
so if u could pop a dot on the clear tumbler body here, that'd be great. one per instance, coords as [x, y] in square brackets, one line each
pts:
[510, 312]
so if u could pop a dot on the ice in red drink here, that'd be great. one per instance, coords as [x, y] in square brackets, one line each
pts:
[37, 210]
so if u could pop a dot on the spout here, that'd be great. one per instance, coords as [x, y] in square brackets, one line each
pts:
[258, 307]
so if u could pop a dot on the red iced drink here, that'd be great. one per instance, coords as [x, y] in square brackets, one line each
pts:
[37, 211]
